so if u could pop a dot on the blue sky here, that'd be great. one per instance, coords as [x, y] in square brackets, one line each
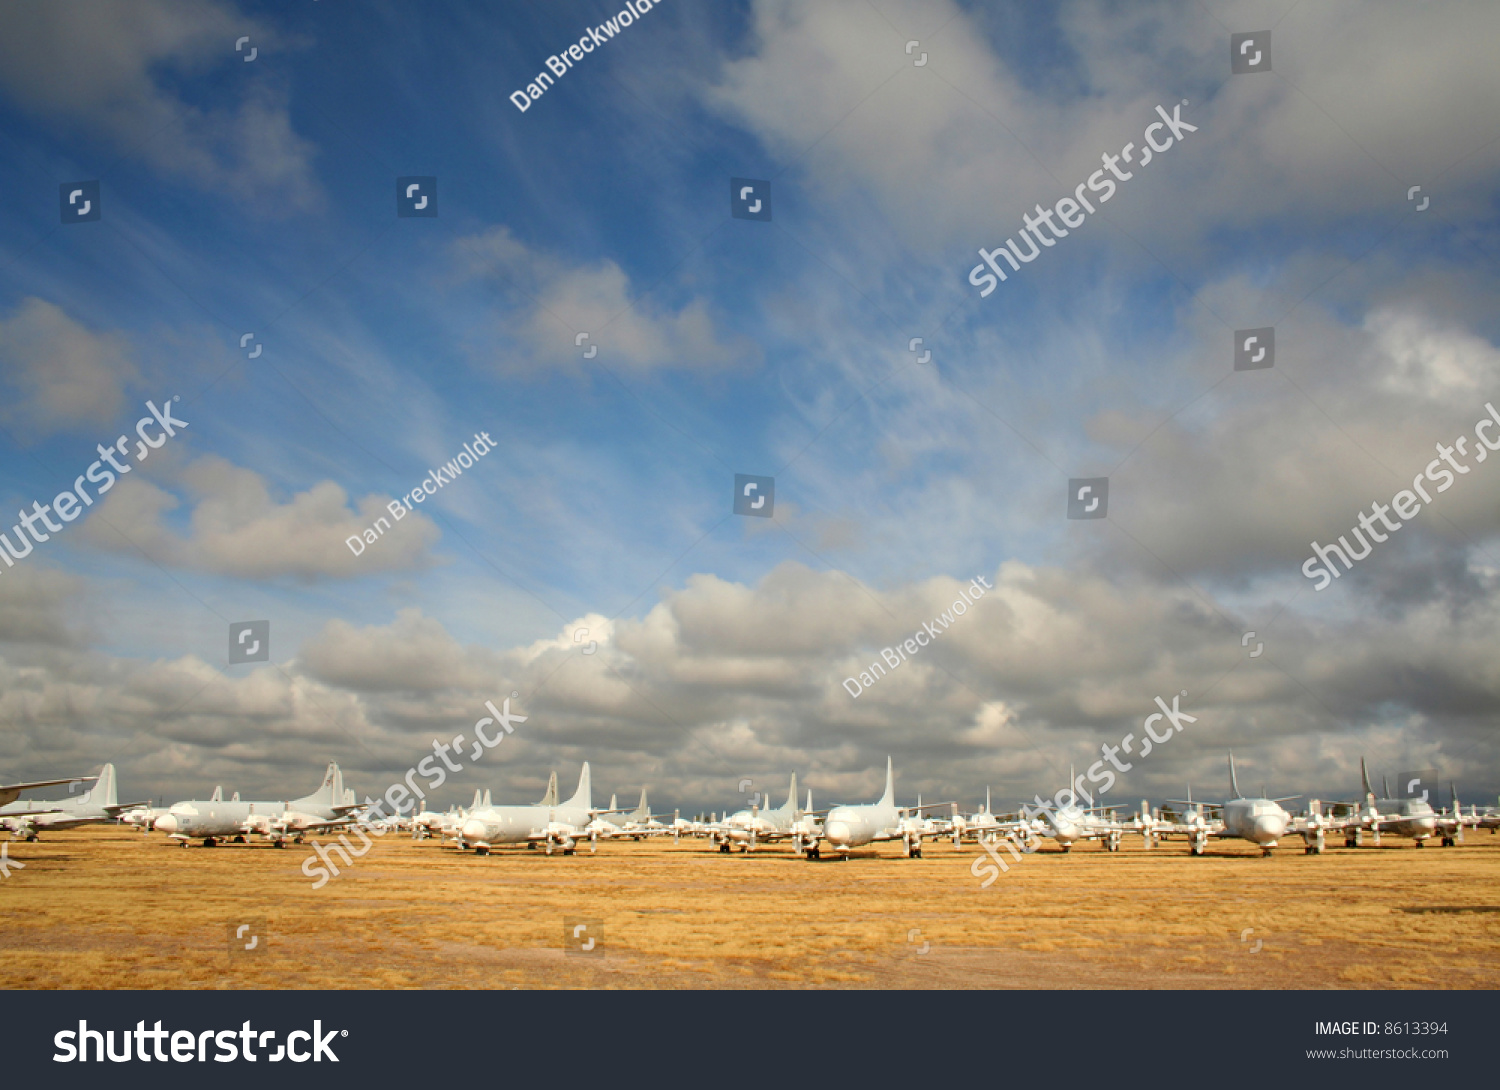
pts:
[260, 197]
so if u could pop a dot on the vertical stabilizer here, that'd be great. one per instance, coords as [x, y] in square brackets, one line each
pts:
[791, 796]
[550, 798]
[1364, 778]
[809, 800]
[1234, 784]
[583, 798]
[1385, 788]
[987, 809]
[102, 791]
[478, 800]
[487, 803]
[218, 795]
[642, 811]
[889, 798]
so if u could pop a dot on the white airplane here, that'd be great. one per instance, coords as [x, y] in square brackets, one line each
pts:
[641, 823]
[747, 828]
[95, 806]
[1260, 820]
[561, 826]
[214, 820]
[1405, 817]
[848, 827]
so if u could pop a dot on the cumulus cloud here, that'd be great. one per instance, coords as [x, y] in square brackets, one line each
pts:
[238, 529]
[638, 333]
[953, 153]
[116, 72]
[61, 374]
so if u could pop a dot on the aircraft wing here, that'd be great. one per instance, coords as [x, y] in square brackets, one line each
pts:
[11, 791]
[116, 811]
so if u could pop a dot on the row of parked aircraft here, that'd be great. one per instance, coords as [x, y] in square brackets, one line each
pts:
[558, 825]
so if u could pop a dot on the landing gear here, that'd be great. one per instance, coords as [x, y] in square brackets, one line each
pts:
[1067, 848]
[1448, 842]
[531, 845]
[1420, 843]
[30, 838]
[239, 840]
[812, 853]
[209, 842]
[480, 849]
[1265, 853]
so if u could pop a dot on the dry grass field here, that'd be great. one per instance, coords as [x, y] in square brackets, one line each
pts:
[107, 907]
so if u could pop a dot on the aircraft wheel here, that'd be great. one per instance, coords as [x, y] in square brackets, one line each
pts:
[30, 837]
[567, 851]
[812, 853]
[481, 851]
[209, 842]
[1420, 843]
[239, 840]
[531, 845]
[279, 843]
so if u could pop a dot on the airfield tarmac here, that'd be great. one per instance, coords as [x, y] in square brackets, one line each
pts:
[106, 907]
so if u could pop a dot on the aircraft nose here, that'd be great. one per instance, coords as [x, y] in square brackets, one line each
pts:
[837, 832]
[474, 830]
[167, 823]
[1269, 827]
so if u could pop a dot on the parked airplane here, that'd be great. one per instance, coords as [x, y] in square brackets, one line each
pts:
[1405, 817]
[1261, 821]
[214, 819]
[641, 823]
[848, 827]
[746, 828]
[95, 806]
[561, 826]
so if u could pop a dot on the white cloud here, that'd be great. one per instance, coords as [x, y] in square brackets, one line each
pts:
[634, 331]
[114, 71]
[237, 529]
[61, 374]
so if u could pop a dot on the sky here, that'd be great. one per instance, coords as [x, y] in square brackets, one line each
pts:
[587, 299]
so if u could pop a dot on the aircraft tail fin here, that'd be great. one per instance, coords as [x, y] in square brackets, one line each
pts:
[889, 798]
[478, 799]
[1234, 784]
[583, 798]
[987, 809]
[791, 796]
[1385, 788]
[102, 791]
[550, 798]
[809, 800]
[642, 811]
[614, 801]
[218, 795]
[330, 791]
[487, 803]
[1364, 777]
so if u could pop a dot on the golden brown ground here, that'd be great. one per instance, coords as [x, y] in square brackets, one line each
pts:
[106, 907]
